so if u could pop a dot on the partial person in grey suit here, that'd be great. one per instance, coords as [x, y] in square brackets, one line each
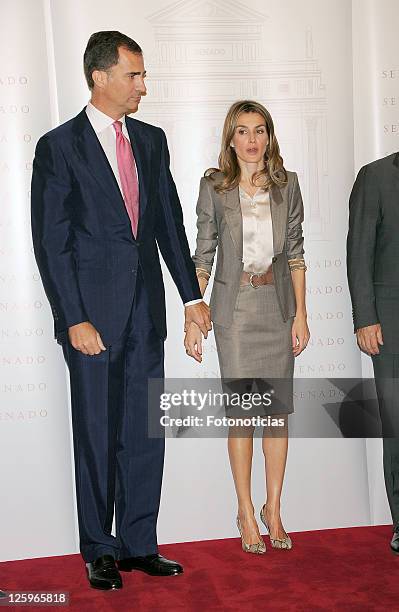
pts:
[250, 210]
[373, 276]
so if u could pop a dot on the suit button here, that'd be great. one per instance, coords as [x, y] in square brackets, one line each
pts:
[274, 259]
[138, 243]
[134, 271]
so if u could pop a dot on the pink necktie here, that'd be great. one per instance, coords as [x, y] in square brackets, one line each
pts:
[128, 176]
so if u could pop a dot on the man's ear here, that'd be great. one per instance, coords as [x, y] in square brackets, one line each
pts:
[100, 78]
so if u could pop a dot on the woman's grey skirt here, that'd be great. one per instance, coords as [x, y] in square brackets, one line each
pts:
[256, 350]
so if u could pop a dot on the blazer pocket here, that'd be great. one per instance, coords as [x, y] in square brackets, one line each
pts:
[96, 275]
[218, 280]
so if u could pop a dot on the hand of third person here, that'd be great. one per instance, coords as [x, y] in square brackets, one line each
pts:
[369, 337]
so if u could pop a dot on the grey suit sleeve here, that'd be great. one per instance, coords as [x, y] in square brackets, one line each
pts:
[364, 213]
[207, 235]
[295, 248]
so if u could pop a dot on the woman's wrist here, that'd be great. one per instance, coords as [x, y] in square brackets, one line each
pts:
[301, 313]
[203, 283]
[202, 273]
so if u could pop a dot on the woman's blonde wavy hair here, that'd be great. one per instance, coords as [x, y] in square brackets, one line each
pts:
[273, 172]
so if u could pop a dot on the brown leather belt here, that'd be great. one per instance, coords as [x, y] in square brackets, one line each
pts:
[256, 280]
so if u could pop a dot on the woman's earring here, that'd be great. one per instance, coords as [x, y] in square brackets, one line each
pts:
[232, 146]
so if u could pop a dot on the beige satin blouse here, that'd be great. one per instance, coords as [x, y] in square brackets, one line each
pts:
[257, 231]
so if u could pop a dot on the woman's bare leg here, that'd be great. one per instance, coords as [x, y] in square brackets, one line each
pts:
[240, 445]
[275, 448]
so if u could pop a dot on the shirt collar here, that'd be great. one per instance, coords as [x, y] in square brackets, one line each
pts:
[99, 120]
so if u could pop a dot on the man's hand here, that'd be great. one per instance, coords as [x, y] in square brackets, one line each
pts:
[85, 338]
[199, 314]
[193, 342]
[368, 338]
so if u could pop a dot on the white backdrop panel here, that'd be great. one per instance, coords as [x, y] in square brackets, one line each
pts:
[36, 510]
[201, 56]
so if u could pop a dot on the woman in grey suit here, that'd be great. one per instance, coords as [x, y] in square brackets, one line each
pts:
[250, 210]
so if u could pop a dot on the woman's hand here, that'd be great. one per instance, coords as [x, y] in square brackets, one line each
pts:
[300, 334]
[193, 342]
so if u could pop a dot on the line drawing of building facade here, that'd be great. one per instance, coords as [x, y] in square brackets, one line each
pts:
[209, 54]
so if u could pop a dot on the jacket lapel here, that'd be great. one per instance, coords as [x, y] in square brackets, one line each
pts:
[142, 154]
[91, 153]
[234, 218]
[278, 210]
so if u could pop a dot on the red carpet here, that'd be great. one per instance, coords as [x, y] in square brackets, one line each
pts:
[348, 569]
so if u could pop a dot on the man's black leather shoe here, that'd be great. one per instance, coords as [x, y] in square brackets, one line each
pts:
[395, 541]
[103, 574]
[154, 565]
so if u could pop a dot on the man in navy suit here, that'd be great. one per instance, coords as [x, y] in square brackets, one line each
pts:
[103, 202]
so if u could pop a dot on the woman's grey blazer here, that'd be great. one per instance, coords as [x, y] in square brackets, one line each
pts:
[219, 224]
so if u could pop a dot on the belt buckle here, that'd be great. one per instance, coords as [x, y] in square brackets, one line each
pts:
[250, 280]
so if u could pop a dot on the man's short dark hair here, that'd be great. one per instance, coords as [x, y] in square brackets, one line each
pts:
[102, 52]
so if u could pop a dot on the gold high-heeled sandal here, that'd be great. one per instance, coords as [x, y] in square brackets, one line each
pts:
[283, 543]
[258, 549]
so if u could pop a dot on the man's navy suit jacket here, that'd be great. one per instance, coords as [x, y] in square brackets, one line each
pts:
[84, 246]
